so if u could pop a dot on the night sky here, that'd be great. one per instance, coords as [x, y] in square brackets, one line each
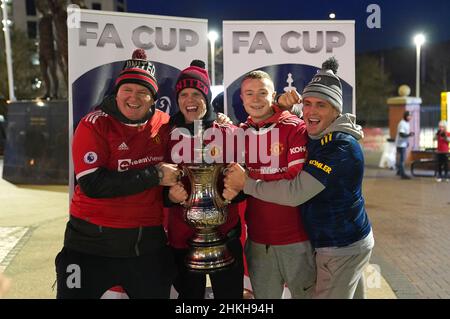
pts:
[400, 20]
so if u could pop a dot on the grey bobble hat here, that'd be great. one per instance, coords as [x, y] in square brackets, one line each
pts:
[326, 85]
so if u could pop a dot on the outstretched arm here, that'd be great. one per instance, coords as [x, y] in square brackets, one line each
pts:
[285, 192]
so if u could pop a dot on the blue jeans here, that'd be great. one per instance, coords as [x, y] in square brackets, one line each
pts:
[401, 154]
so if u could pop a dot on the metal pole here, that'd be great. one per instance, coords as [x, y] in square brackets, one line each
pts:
[213, 73]
[8, 52]
[418, 70]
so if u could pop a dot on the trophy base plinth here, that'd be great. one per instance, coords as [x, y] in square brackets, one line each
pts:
[208, 257]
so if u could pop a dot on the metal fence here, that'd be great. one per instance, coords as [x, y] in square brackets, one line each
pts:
[430, 115]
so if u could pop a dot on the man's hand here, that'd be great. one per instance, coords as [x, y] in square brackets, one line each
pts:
[223, 119]
[229, 194]
[234, 181]
[169, 174]
[287, 100]
[177, 193]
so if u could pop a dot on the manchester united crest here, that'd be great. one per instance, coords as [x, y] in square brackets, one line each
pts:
[276, 149]
[157, 139]
[215, 151]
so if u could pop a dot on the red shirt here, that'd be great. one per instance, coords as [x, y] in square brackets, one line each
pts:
[178, 230]
[442, 142]
[270, 223]
[102, 141]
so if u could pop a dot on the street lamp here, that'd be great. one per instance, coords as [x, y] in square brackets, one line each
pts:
[8, 51]
[212, 36]
[419, 39]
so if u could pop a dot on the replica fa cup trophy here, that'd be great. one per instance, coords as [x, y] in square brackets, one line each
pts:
[205, 210]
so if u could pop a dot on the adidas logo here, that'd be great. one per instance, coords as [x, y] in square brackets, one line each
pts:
[123, 147]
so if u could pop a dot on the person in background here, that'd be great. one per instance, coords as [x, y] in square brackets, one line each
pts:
[115, 236]
[402, 143]
[443, 138]
[329, 189]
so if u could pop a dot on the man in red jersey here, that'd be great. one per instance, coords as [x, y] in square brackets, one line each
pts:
[115, 235]
[278, 251]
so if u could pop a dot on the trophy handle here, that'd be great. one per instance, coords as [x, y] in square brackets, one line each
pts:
[219, 201]
[187, 204]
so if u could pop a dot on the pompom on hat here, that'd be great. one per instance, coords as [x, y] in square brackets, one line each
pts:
[195, 76]
[138, 70]
[326, 85]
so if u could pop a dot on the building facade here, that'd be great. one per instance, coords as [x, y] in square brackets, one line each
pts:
[25, 16]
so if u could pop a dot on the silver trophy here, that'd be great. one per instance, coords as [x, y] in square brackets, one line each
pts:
[205, 210]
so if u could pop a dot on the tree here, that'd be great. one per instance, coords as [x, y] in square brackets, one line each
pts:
[373, 87]
[435, 73]
[25, 72]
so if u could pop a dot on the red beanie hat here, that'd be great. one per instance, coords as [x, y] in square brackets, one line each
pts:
[139, 70]
[196, 77]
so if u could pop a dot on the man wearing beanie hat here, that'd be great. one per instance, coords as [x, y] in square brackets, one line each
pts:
[115, 234]
[328, 188]
[194, 79]
[194, 97]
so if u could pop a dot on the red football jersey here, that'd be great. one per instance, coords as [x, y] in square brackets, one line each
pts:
[284, 137]
[102, 141]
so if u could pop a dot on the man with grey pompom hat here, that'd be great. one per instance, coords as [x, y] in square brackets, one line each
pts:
[328, 188]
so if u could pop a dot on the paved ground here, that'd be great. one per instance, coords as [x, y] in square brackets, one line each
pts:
[409, 217]
[411, 223]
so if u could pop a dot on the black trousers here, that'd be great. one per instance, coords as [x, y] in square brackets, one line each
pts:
[85, 276]
[226, 284]
[442, 165]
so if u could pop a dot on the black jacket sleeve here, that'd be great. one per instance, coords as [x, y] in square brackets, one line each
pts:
[106, 184]
[239, 197]
[166, 201]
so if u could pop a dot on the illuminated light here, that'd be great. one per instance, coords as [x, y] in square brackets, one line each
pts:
[419, 39]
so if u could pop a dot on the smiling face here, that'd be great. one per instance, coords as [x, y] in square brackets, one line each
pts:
[257, 96]
[192, 104]
[134, 101]
[318, 114]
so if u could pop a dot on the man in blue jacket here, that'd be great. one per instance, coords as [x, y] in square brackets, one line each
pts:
[328, 187]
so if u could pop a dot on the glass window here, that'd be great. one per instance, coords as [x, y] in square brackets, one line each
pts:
[30, 7]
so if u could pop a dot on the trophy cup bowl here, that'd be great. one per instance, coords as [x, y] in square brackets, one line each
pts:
[205, 210]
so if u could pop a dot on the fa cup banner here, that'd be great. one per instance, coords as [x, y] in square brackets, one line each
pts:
[100, 42]
[290, 51]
